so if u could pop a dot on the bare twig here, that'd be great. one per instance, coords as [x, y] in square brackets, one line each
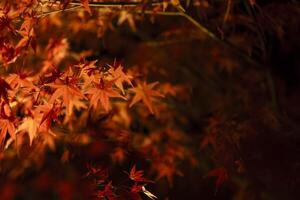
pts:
[202, 28]
[116, 4]
[262, 43]
[209, 33]
[58, 11]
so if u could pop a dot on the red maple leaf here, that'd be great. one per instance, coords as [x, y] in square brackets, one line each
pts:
[137, 175]
[221, 174]
[107, 192]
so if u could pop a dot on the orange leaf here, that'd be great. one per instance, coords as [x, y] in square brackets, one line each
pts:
[145, 92]
[120, 77]
[102, 92]
[30, 126]
[70, 94]
[168, 171]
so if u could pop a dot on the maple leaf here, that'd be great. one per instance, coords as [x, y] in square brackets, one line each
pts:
[50, 114]
[98, 173]
[144, 92]
[118, 155]
[101, 93]
[21, 80]
[137, 175]
[136, 188]
[88, 73]
[30, 126]
[168, 171]
[221, 174]
[70, 94]
[87, 68]
[120, 77]
[107, 193]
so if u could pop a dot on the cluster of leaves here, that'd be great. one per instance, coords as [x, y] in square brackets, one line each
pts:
[102, 120]
[53, 101]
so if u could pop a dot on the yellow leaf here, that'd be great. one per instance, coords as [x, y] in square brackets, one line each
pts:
[149, 194]
[30, 126]
[120, 77]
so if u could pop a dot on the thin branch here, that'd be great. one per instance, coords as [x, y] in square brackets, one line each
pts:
[58, 11]
[116, 4]
[202, 28]
[169, 42]
[209, 33]
[262, 41]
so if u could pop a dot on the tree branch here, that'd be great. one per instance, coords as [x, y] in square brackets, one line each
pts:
[202, 28]
[58, 11]
[116, 4]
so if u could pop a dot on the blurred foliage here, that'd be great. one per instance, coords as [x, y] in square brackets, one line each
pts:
[202, 99]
